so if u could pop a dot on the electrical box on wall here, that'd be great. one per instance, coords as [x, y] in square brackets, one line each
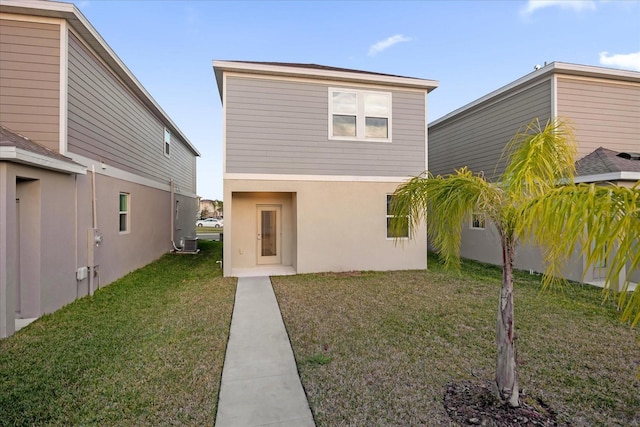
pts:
[81, 273]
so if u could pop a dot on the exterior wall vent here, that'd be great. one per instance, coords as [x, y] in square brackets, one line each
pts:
[629, 156]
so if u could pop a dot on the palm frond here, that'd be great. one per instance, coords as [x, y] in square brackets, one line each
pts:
[538, 158]
[601, 223]
[447, 202]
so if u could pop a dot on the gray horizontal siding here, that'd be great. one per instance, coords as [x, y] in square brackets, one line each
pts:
[604, 113]
[281, 127]
[477, 137]
[107, 122]
[30, 80]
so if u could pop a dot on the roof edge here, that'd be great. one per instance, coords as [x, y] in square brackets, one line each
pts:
[546, 72]
[314, 71]
[81, 24]
[611, 176]
[18, 155]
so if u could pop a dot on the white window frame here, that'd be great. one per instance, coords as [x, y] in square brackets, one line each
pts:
[480, 218]
[166, 146]
[126, 212]
[360, 115]
[386, 221]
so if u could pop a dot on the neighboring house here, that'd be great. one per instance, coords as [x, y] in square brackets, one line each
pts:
[311, 157]
[95, 178]
[212, 208]
[603, 106]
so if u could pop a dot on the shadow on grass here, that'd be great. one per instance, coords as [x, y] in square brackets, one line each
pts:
[146, 350]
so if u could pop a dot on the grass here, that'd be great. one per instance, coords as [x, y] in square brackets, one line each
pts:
[146, 350]
[209, 230]
[379, 348]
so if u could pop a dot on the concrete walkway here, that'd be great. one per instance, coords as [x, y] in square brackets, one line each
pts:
[260, 382]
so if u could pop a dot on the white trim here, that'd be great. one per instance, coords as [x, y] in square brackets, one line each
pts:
[125, 212]
[612, 176]
[114, 172]
[166, 143]
[386, 225]
[318, 73]
[537, 76]
[327, 178]
[38, 160]
[224, 125]
[481, 220]
[360, 115]
[88, 34]
[554, 96]
[426, 132]
[64, 85]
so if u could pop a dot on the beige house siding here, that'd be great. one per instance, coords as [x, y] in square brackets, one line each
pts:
[477, 137]
[30, 79]
[604, 113]
[602, 104]
[281, 127]
[108, 123]
[40, 261]
[354, 211]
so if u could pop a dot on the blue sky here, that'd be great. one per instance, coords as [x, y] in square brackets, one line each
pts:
[470, 47]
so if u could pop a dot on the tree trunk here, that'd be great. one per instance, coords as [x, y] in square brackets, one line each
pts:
[506, 373]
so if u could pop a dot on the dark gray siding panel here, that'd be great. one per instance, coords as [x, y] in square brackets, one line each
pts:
[477, 137]
[604, 113]
[30, 80]
[281, 127]
[107, 122]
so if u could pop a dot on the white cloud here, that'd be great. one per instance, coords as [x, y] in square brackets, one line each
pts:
[387, 43]
[629, 61]
[576, 5]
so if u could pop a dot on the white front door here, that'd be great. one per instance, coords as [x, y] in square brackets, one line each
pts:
[269, 234]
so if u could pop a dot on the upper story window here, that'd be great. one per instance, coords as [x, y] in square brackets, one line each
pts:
[359, 115]
[167, 142]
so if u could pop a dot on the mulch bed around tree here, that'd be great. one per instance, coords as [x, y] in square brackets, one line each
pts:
[470, 403]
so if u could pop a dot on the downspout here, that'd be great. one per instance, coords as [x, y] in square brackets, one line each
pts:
[93, 196]
[91, 233]
[173, 242]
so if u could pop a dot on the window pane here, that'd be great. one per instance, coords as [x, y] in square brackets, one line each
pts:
[268, 230]
[403, 231]
[344, 125]
[123, 222]
[376, 127]
[167, 141]
[345, 103]
[376, 104]
[123, 202]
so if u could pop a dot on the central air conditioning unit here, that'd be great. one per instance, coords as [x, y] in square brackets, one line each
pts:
[189, 245]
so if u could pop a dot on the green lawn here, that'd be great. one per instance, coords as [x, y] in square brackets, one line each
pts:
[372, 348]
[209, 230]
[146, 350]
[380, 348]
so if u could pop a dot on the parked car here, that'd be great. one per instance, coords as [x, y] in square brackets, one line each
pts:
[209, 222]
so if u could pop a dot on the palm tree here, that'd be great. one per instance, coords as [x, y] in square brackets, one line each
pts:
[534, 200]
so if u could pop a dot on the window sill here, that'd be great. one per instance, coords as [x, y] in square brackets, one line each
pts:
[366, 140]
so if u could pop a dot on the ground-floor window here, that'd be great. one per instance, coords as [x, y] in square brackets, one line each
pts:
[477, 221]
[403, 231]
[124, 212]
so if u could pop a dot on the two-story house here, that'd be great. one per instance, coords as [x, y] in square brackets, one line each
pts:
[96, 180]
[312, 155]
[603, 106]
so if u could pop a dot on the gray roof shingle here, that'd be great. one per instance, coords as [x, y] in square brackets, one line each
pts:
[603, 160]
[9, 138]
